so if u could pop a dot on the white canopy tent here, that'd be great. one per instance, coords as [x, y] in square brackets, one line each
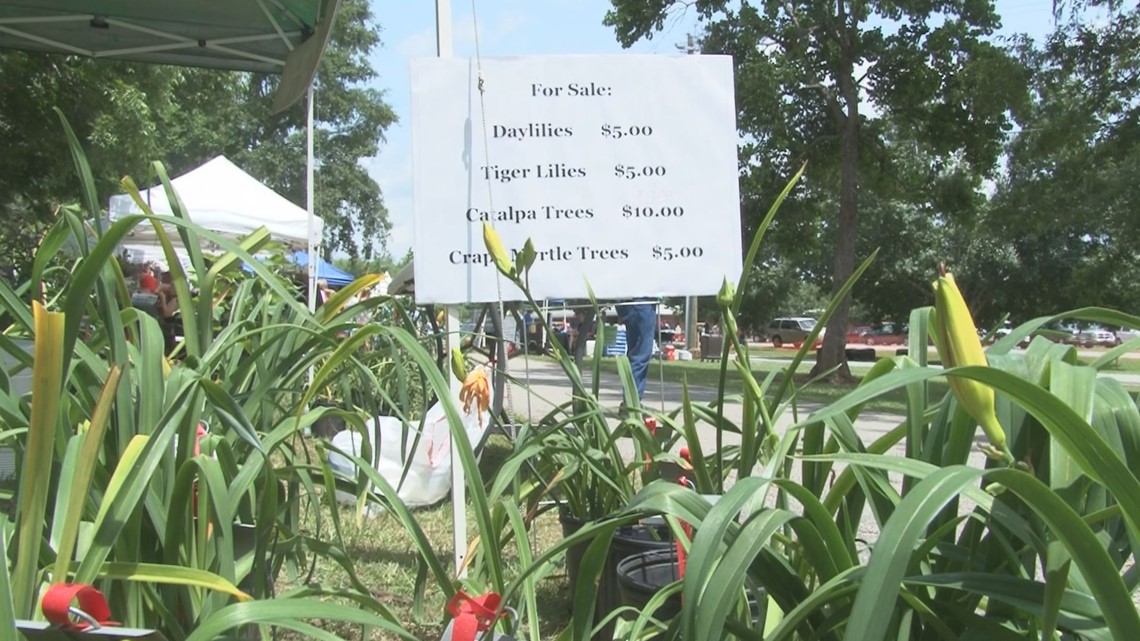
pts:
[219, 196]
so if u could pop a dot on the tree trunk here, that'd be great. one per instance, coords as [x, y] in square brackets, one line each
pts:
[833, 352]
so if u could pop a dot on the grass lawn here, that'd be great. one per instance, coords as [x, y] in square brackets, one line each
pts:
[1131, 365]
[385, 559]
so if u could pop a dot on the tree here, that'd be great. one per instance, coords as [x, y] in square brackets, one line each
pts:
[129, 114]
[1070, 194]
[819, 81]
[379, 264]
[231, 114]
[112, 107]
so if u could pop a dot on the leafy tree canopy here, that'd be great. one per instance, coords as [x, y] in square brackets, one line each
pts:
[378, 264]
[838, 85]
[128, 114]
[1069, 198]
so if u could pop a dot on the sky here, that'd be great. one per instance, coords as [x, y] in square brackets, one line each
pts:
[526, 27]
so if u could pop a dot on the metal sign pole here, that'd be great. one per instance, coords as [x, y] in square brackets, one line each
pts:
[692, 340]
[310, 203]
[310, 207]
[443, 46]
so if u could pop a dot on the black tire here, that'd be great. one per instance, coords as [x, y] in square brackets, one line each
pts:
[777, 342]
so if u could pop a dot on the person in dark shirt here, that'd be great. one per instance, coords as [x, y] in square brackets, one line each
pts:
[167, 305]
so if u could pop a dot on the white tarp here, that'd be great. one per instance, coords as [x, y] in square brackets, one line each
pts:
[221, 197]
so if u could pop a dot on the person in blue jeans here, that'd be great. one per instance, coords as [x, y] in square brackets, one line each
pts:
[640, 319]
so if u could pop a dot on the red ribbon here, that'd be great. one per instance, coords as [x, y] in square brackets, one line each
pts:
[198, 434]
[56, 605]
[682, 558]
[650, 426]
[473, 614]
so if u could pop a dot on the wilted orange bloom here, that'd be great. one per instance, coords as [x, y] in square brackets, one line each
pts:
[476, 391]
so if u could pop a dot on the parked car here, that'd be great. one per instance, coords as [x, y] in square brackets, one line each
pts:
[792, 331]
[1003, 331]
[1060, 333]
[1123, 335]
[885, 334]
[855, 334]
[1096, 337]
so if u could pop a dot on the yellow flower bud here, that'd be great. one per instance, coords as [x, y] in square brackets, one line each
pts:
[958, 345]
[497, 251]
[458, 364]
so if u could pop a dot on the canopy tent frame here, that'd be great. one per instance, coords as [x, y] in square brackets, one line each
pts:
[219, 44]
[242, 35]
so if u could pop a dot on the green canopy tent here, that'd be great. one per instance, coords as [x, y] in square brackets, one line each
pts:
[275, 36]
[285, 37]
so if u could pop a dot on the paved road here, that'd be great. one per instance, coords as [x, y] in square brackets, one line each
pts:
[549, 388]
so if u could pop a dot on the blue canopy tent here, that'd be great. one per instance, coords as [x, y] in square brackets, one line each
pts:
[336, 278]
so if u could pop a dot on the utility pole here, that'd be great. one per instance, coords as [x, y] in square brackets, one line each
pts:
[692, 340]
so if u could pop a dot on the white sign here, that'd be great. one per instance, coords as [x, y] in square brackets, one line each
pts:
[621, 169]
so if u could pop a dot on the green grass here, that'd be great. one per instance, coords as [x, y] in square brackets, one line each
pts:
[385, 559]
[1127, 364]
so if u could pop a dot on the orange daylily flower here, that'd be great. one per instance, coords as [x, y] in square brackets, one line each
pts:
[476, 391]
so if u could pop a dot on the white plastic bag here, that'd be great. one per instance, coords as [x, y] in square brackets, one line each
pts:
[428, 480]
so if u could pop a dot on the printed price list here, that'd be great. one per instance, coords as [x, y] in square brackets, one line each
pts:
[618, 180]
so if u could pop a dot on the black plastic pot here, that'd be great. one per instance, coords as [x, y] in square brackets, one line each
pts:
[570, 525]
[628, 541]
[641, 576]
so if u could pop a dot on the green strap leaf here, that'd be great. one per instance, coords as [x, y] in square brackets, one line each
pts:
[891, 557]
[7, 609]
[1087, 552]
[290, 613]
[31, 506]
[81, 475]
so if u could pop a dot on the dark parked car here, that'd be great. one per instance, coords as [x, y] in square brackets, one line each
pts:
[885, 334]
